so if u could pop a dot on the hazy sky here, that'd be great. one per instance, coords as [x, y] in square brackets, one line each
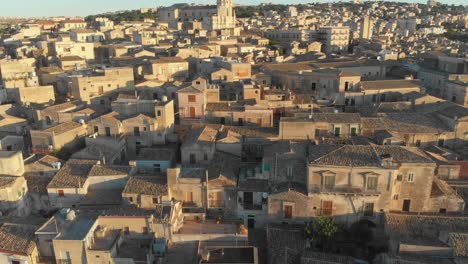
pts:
[38, 8]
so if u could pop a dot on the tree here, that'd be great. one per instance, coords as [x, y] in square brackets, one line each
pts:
[321, 231]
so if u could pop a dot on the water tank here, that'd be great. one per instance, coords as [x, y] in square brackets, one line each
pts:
[71, 215]
[57, 165]
[164, 98]
[81, 121]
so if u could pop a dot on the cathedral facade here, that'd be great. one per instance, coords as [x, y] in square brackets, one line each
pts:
[212, 18]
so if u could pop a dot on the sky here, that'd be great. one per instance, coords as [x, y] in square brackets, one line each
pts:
[46, 8]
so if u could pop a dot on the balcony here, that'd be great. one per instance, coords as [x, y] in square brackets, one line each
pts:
[64, 261]
[215, 203]
[252, 206]
[343, 190]
[49, 260]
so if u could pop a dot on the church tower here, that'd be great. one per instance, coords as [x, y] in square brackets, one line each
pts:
[225, 17]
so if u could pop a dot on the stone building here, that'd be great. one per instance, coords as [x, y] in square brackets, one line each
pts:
[65, 135]
[146, 191]
[110, 79]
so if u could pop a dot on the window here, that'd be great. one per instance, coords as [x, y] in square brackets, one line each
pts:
[314, 86]
[353, 131]
[61, 193]
[193, 159]
[156, 167]
[126, 230]
[372, 183]
[317, 132]
[159, 112]
[108, 132]
[395, 196]
[442, 210]
[205, 156]
[145, 230]
[418, 143]
[410, 177]
[329, 182]
[288, 211]
[130, 199]
[441, 142]
[192, 98]
[368, 209]
[155, 200]
[136, 131]
[15, 262]
[399, 177]
[290, 171]
[96, 129]
[266, 167]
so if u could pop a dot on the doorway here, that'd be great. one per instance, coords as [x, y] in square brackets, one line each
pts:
[192, 112]
[406, 205]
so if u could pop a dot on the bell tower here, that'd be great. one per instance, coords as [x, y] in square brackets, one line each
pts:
[225, 16]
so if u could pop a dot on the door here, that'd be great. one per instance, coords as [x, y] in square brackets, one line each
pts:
[327, 208]
[222, 121]
[108, 132]
[440, 142]
[251, 223]
[192, 112]
[288, 211]
[337, 131]
[240, 122]
[189, 197]
[217, 199]
[406, 205]
[353, 131]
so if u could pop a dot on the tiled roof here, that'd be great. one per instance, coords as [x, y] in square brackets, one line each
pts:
[423, 229]
[224, 107]
[365, 156]
[337, 117]
[73, 175]
[7, 181]
[189, 89]
[168, 60]
[223, 170]
[312, 257]
[37, 184]
[18, 239]
[253, 185]
[390, 84]
[148, 185]
[459, 242]
[108, 170]
[63, 127]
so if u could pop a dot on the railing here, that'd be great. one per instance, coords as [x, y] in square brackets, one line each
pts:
[189, 204]
[46, 260]
[252, 206]
[216, 203]
[64, 261]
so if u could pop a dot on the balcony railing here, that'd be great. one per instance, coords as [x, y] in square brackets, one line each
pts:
[252, 206]
[343, 190]
[216, 203]
[46, 260]
[64, 261]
